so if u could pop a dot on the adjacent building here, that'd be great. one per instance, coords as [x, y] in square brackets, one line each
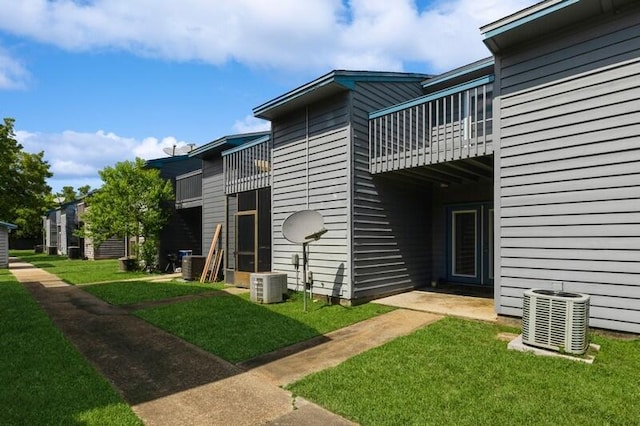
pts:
[5, 229]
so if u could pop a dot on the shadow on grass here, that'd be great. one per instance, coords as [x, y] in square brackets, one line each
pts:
[231, 327]
[45, 380]
[146, 363]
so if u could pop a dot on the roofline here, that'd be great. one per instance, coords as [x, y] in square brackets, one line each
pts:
[433, 96]
[458, 72]
[254, 142]
[217, 143]
[524, 16]
[162, 160]
[8, 225]
[344, 78]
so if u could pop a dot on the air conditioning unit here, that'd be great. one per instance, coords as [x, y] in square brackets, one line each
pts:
[556, 320]
[192, 267]
[267, 287]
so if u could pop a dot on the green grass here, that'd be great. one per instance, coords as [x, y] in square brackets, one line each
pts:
[127, 292]
[457, 372]
[235, 329]
[77, 271]
[45, 381]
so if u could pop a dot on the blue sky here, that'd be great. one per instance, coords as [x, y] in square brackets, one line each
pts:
[94, 82]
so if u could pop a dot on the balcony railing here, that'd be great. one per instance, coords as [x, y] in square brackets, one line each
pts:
[247, 167]
[449, 125]
[189, 189]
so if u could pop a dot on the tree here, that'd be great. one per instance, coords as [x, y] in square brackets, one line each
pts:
[68, 193]
[24, 193]
[133, 201]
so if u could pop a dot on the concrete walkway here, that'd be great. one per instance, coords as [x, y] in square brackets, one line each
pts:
[169, 381]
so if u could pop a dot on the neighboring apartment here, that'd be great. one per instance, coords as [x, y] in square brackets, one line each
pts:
[5, 229]
[201, 194]
[183, 231]
[60, 225]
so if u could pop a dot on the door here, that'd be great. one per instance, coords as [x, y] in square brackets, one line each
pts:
[246, 249]
[470, 244]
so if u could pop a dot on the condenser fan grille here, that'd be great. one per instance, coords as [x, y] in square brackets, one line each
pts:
[555, 320]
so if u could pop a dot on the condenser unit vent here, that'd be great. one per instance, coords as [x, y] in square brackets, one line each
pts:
[267, 287]
[556, 320]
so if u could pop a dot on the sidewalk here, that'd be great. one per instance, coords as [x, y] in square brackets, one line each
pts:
[169, 381]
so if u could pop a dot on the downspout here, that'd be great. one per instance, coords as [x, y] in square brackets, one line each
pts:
[306, 134]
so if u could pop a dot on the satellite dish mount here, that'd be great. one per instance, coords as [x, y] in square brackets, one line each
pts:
[304, 227]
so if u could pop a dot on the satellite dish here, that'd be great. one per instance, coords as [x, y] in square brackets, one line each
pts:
[179, 150]
[303, 227]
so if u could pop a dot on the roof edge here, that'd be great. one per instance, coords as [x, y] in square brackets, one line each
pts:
[343, 78]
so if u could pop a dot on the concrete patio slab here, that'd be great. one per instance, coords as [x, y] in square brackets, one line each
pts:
[477, 308]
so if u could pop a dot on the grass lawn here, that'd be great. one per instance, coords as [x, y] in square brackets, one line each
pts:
[45, 381]
[457, 372]
[236, 329]
[127, 292]
[77, 271]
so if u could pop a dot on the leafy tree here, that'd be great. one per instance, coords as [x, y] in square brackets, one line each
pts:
[67, 194]
[132, 202]
[84, 190]
[24, 193]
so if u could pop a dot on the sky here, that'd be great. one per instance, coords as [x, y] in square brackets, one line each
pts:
[95, 82]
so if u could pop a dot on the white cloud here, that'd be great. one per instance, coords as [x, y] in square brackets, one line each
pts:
[292, 35]
[251, 124]
[76, 157]
[13, 75]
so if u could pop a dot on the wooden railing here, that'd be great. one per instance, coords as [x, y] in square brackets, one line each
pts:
[449, 125]
[247, 167]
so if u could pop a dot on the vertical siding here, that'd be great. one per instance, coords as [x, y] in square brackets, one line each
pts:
[4, 247]
[391, 232]
[569, 167]
[213, 202]
[310, 159]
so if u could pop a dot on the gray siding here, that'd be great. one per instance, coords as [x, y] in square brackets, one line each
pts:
[112, 248]
[310, 158]
[4, 247]
[51, 233]
[213, 202]
[391, 246]
[569, 169]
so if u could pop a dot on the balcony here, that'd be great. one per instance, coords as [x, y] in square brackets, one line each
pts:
[189, 190]
[247, 167]
[449, 125]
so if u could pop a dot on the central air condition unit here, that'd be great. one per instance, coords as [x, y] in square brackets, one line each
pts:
[556, 320]
[267, 287]
[192, 267]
